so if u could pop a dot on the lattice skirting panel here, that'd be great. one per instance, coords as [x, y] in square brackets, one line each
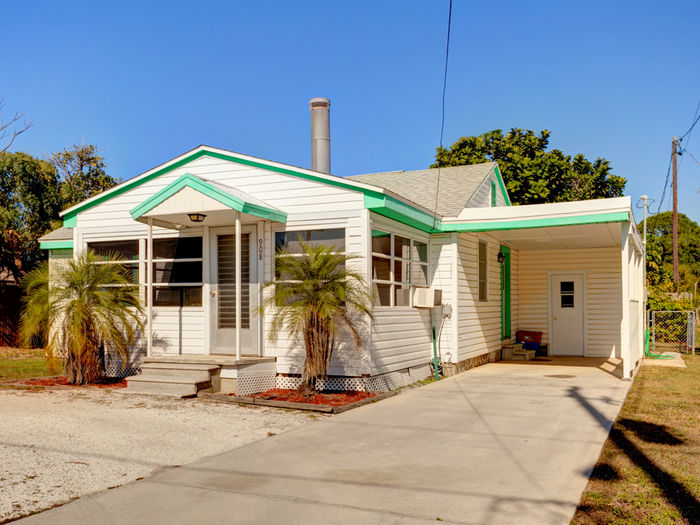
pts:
[115, 366]
[257, 378]
[383, 382]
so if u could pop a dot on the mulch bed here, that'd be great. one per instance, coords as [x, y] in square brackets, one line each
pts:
[61, 381]
[327, 402]
[335, 399]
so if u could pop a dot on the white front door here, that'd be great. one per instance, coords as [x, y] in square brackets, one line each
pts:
[223, 286]
[567, 314]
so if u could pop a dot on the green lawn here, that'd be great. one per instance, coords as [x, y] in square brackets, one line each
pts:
[18, 363]
[649, 469]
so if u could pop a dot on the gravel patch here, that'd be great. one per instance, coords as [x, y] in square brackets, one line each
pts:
[59, 445]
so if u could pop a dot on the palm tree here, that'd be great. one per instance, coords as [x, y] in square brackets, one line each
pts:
[78, 311]
[318, 296]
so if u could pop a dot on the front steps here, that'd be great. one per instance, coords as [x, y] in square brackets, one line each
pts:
[174, 378]
[516, 352]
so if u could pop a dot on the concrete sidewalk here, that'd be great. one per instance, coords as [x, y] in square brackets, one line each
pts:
[503, 443]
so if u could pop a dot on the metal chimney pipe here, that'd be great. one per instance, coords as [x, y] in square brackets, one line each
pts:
[320, 109]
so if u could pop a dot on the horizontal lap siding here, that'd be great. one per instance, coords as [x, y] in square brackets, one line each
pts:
[602, 267]
[348, 360]
[308, 204]
[479, 323]
[401, 336]
[178, 331]
[482, 196]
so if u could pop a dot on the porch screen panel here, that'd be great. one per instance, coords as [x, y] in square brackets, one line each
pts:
[226, 260]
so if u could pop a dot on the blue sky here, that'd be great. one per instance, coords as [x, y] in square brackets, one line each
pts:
[146, 81]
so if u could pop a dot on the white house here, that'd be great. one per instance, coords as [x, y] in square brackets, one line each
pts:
[201, 231]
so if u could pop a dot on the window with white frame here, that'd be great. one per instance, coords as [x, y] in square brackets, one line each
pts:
[399, 264]
[177, 271]
[483, 271]
[289, 244]
[124, 253]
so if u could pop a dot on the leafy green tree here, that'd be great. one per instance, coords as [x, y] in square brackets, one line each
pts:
[531, 173]
[660, 260]
[78, 311]
[82, 173]
[318, 297]
[29, 203]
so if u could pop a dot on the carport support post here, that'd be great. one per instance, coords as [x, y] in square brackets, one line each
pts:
[149, 288]
[238, 285]
[625, 351]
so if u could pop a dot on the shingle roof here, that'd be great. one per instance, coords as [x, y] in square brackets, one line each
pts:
[61, 234]
[457, 185]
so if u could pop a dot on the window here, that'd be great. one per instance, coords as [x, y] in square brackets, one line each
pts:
[399, 264]
[493, 194]
[483, 271]
[61, 253]
[566, 289]
[289, 242]
[177, 271]
[125, 253]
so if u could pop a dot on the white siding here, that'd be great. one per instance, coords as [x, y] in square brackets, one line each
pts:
[603, 314]
[308, 204]
[479, 323]
[482, 196]
[401, 335]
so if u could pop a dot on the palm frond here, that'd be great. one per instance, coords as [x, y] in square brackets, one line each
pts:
[315, 297]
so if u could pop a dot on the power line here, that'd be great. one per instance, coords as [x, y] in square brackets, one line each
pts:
[668, 176]
[442, 121]
[695, 121]
[691, 155]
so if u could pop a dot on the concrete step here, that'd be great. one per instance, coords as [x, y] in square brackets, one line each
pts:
[175, 365]
[165, 385]
[186, 374]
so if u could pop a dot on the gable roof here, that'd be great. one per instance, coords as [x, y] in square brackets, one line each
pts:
[231, 197]
[70, 215]
[457, 185]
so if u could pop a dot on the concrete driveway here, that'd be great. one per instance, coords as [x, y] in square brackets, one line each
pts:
[503, 443]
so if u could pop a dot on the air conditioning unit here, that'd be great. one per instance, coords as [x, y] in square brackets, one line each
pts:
[427, 297]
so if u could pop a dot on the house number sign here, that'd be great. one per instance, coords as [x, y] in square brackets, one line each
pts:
[260, 249]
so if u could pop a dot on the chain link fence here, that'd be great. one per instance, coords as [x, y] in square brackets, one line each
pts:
[672, 331]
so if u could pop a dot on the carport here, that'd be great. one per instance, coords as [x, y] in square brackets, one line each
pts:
[574, 272]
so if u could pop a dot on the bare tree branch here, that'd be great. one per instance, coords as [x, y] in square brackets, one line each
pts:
[11, 129]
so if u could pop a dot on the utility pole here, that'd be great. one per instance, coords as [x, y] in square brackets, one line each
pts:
[676, 277]
[645, 198]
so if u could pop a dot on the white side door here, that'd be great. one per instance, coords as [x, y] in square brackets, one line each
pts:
[566, 314]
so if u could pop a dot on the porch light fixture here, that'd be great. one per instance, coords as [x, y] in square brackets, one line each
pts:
[197, 217]
[501, 257]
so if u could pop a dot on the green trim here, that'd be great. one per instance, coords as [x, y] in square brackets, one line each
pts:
[55, 245]
[502, 185]
[393, 208]
[209, 190]
[70, 222]
[596, 218]
[69, 217]
[505, 294]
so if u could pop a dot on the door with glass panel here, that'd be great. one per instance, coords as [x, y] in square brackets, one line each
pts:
[567, 314]
[223, 292]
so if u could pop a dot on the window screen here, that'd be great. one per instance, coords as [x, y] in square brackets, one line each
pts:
[483, 271]
[399, 264]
